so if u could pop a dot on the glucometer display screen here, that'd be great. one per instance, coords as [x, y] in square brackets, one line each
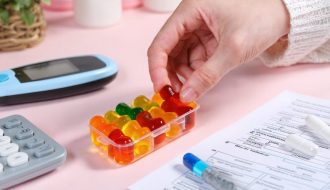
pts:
[50, 69]
[57, 68]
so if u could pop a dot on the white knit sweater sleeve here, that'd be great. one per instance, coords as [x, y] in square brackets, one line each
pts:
[309, 37]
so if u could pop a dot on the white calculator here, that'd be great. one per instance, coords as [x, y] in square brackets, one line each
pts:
[25, 151]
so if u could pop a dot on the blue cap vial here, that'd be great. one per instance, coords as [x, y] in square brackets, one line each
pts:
[194, 164]
[189, 160]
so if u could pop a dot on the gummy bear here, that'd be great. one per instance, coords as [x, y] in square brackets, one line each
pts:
[175, 128]
[121, 151]
[157, 98]
[173, 104]
[145, 119]
[99, 123]
[136, 132]
[144, 103]
[113, 118]
[115, 134]
[172, 101]
[167, 91]
[124, 109]
[124, 154]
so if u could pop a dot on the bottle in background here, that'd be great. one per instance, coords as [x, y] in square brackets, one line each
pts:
[97, 13]
[161, 5]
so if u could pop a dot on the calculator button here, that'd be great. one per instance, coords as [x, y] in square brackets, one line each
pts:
[4, 77]
[44, 150]
[1, 132]
[4, 140]
[24, 134]
[8, 149]
[17, 159]
[35, 142]
[12, 123]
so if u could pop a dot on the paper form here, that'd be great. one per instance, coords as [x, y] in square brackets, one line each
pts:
[251, 151]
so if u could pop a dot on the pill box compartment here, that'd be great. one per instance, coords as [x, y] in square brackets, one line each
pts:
[124, 154]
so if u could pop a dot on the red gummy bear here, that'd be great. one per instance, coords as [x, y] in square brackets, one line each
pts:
[167, 91]
[175, 105]
[145, 120]
[122, 154]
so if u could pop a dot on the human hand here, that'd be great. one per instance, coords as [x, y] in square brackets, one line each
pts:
[205, 39]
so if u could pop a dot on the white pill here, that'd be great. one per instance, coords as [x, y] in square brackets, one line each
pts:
[8, 149]
[302, 145]
[17, 159]
[1, 132]
[319, 127]
[4, 140]
[1, 168]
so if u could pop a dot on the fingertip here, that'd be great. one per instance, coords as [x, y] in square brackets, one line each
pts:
[159, 86]
[199, 82]
[177, 86]
[159, 77]
[188, 94]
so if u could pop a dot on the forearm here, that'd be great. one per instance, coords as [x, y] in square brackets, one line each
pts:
[309, 36]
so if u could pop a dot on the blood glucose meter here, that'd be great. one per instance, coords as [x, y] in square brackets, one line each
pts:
[55, 79]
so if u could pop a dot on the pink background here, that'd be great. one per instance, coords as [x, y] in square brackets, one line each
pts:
[66, 120]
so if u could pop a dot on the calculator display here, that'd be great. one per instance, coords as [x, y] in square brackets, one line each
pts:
[50, 69]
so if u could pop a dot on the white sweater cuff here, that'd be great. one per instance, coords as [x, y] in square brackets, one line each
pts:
[309, 35]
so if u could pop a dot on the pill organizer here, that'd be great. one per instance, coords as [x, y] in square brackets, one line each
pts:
[25, 151]
[128, 133]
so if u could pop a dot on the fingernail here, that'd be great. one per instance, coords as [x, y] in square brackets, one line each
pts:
[188, 95]
[176, 87]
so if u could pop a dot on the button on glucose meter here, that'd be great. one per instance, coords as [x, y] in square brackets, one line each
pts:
[56, 79]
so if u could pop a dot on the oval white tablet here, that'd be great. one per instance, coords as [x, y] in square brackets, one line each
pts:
[17, 159]
[4, 140]
[302, 145]
[8, 149]
[319, 127]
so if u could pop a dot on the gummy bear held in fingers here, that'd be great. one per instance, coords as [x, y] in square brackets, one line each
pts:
[167, 91]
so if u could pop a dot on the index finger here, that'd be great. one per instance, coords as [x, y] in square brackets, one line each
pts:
[186, 18]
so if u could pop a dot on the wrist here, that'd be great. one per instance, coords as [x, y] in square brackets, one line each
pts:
[282, 16]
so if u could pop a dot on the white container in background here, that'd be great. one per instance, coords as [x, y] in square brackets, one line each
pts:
[161, 5]
[97, 13]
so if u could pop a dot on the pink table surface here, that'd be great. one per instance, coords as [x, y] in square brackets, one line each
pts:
[239, 93]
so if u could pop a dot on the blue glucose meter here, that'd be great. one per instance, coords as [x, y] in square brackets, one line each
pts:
[55, 79]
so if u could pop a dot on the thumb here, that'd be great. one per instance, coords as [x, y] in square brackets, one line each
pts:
[205, 77]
